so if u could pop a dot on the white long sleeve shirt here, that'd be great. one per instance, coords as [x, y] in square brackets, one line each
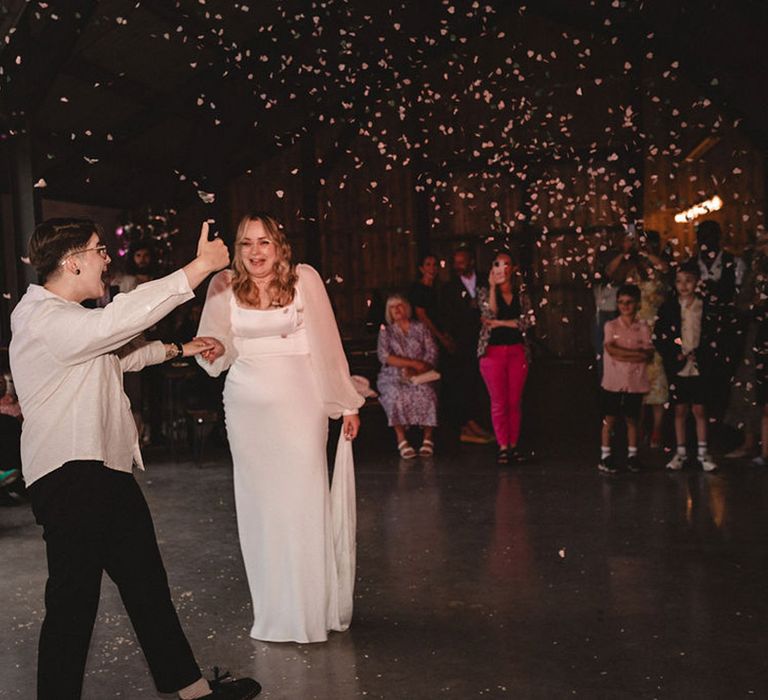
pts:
[67, 364]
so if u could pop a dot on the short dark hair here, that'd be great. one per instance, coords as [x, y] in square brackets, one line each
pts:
[629, 290]
[55, 238]
[690, 267]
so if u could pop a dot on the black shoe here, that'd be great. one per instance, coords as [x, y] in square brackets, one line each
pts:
[225, 688]
[607, 465]
[633, 464]
[502, 456]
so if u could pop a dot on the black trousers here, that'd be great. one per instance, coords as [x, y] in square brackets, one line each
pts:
[96, 519]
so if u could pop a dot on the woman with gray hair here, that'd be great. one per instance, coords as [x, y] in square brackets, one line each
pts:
[407, 351]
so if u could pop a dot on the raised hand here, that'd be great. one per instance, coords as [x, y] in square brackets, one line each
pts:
[213, 254]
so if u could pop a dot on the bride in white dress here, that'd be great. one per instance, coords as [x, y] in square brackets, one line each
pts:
[287, 375]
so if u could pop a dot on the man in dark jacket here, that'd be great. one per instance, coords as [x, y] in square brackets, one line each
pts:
[464, 398]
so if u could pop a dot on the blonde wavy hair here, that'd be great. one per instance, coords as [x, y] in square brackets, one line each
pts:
[282, 288]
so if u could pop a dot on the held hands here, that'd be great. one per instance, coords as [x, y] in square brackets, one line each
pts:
[213, 254]
[351, 426]
[197, 346]
[214, 351]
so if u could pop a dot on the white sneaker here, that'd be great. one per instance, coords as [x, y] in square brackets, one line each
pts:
[707, 463]
[677, 462]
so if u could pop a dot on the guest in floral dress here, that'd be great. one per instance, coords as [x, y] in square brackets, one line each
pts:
[407, 349]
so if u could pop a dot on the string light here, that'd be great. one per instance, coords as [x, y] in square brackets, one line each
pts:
[699, 209]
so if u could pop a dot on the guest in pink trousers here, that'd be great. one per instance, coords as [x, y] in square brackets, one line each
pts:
[506, 314]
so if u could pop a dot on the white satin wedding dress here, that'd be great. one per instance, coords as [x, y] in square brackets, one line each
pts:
[286, 376]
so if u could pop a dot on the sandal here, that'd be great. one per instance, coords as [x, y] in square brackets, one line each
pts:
[406, 451]
[427, 448]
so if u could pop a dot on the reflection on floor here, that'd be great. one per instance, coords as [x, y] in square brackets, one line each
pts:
[541, 581]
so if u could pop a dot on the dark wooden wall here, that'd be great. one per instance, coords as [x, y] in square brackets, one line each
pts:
[556, 211]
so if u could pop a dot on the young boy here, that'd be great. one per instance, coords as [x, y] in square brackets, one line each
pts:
[628, 349]
[684, 341]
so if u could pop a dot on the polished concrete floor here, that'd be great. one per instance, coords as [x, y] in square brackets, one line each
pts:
[546, 580]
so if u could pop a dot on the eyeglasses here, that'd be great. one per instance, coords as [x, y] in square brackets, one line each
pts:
[101, 249]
